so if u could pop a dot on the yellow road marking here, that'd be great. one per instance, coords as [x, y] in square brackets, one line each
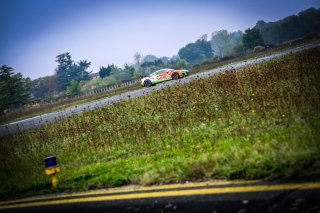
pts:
[137, 189]
[189, 192]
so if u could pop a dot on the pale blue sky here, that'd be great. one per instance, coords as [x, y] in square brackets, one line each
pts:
[34, 32]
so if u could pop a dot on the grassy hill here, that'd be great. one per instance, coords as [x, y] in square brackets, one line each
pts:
[258, 122]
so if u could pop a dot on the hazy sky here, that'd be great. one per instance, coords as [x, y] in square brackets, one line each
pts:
[34, 32]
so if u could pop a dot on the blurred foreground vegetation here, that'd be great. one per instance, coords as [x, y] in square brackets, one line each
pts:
[257, 122]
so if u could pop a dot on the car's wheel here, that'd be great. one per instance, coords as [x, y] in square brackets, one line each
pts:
[147, 83]
[175, 76]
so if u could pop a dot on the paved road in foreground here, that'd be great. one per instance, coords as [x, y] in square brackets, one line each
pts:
[38, 121]
[218, 196]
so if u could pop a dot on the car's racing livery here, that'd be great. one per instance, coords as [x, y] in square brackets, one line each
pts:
[163, 75]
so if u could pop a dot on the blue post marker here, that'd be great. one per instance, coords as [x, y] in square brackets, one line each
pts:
[52, 168]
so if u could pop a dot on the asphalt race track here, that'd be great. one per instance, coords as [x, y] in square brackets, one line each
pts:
[213, 197]
[38, 121]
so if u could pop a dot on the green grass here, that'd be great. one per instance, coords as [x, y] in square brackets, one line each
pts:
[262, 121]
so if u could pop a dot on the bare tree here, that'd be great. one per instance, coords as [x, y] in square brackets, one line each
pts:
[137, 60]
[223, 42]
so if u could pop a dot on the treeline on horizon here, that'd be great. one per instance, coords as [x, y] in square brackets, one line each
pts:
[73, 78]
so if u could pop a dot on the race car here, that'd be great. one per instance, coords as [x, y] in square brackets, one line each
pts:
[163, 75]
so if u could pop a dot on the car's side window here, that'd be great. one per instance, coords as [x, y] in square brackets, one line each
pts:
[161, 71]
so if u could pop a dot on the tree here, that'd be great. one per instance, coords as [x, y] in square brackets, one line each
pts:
[223, 42]
[128, 69]
[74, 88]
[252, 38]
[115, 69]
[81, 71]
[239, 50]
[165, 59]
[181, 64]
[149, 58]
[44, 88]
[137, 60]
[64, 70]
[147, 64]
[175, 58]
[196, 52]
[14, 91]
[67, 70]
[291, 27]
[104, 72]
[159, 63]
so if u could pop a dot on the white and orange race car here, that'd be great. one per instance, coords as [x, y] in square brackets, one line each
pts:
[163, 75]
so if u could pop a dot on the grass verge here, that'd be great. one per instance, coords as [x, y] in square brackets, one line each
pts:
[262, 121]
